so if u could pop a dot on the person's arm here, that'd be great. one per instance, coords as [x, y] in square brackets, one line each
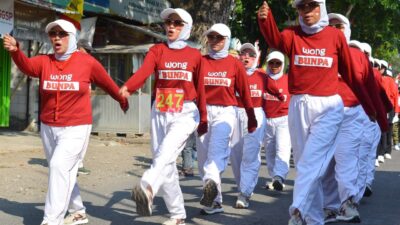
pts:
[101, 78]
[30, 66]
[269, 29]
[139, 78]
[201, 100]
[353, 78]
[242, 87]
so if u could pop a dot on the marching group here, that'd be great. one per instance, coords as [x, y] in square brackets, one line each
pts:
[334, 111]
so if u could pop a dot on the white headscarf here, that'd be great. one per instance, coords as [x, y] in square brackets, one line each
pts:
[180, 42]
[71, 48]
[223, 30]
[346, 23]
[67, 27]
[279, 56]
[323, 21]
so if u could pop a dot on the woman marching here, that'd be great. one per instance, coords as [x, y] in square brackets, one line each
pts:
[65, 114]
[224, 75]
[178, 88]
[245, 155]
[277, 138]
[317, 54]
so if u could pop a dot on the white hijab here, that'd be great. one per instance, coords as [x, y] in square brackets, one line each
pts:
[321, 24]
[346, 23]
[180, 42]
[71, 48]
[279, 56]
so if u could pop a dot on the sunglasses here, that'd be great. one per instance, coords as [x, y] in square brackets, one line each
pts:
[215, 37]
[338, 25]
[307, 6]
[60, 34]
[176, 23]
[275, 63]
[250, 54]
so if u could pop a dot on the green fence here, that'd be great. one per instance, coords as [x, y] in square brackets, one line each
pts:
[5, 75]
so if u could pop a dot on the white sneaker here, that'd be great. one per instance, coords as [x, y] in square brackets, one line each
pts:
[376, 163]
[214, 209]
[143, 200]
[242, 202]
[76, 218]
[387, 156]
[397, 147]
[269, 186]
[330, 216]
[173, 221]
[349, 212]
[381, 159]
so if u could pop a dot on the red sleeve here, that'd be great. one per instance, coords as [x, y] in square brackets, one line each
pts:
[271, 33]
[395, 94]
[148, 67]
[101, 78]
[352, 77]
[242, 86]
[201, 93]
[372, 84]
[30, 66]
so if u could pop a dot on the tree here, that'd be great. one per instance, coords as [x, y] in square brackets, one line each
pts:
[205, 13]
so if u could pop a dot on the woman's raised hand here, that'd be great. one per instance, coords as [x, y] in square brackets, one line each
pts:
[9, 42]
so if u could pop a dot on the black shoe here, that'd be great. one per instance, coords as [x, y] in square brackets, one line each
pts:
[368, 191]
[210, 191]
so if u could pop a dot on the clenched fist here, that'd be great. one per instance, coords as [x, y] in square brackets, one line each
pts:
[9, 42]
[263, 11]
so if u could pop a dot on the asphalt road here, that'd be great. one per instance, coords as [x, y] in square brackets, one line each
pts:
[108, 202]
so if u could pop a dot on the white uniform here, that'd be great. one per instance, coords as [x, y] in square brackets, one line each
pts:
[245, 155]
[213, 147]
[314, 124]
[367, 156]
[65, 148]
[346, 159]
[169, 132]
[277, 146]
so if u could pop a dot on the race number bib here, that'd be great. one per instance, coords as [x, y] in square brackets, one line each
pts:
[169, 99]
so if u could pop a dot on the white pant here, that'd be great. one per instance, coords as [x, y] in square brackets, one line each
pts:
[65, 148]
[346, 158]
[169, 132]
[245, 155]
[277, 146]
[213, 148]
[370, 141]
[314, 123]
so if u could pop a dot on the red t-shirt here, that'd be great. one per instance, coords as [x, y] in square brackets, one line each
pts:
[349, 99]
[257, 83]
[391, 91]
[315, 60]
[173, 68]
[274, 107]
[65, 86]
[222, 79]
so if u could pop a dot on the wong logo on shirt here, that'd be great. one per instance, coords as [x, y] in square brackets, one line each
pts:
[216, 81]
[313, 61]
[62, 86]
[176, 65]
[175, 75]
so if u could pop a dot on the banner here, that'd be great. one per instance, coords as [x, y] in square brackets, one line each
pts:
[6, 16]
[77, 7]
[88, 27]
[144, 11]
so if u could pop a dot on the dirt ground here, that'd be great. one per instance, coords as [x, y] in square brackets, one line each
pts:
[23, 167]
